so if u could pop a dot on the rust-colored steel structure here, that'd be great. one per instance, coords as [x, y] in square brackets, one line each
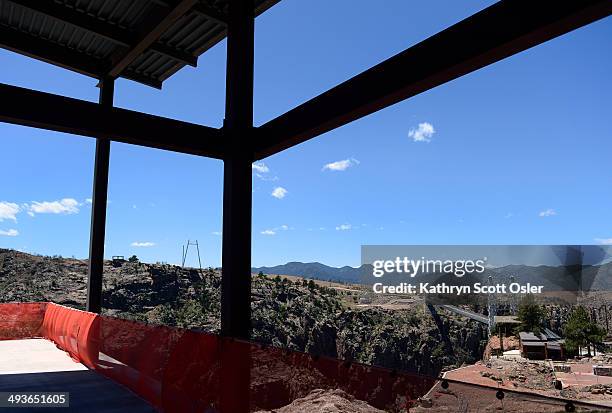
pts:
[147, 41]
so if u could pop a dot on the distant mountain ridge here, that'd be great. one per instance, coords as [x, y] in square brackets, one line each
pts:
[314, 270]
[597, 277]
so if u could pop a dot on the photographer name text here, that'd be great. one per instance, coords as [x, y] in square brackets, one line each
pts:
[443, 288]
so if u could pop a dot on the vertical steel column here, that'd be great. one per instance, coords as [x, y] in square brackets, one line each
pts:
[237, 186]
[237, 207]
[98, 208]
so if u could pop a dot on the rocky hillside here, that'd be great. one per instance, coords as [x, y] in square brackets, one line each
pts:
[294, 314]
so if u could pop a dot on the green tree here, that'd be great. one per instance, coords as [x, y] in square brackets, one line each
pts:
[133, 258]
[311, 285]
[530, 315]
[581, 332]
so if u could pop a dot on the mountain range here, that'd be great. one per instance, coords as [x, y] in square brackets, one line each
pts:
[314, 270]
[597, 277]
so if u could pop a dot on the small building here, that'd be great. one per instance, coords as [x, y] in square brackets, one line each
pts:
[554, 350]
[602, 370]
[540, 347]
[505, 324]
[118, 260]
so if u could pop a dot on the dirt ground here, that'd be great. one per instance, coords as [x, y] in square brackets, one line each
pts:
[326, 401]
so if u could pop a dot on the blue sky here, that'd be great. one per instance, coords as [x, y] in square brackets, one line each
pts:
[515, 153]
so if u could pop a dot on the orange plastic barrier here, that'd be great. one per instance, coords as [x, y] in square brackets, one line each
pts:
[21, 320]
[179, 370]
[69, 330]
[135, 354]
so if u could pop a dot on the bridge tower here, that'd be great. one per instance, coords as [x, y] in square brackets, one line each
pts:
[491, 306]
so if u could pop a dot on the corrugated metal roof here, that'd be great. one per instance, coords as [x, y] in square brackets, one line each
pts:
[528, 336]
[98, 37]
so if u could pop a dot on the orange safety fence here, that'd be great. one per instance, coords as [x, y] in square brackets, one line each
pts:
[69, 330]
[21, 320]
[179, 370]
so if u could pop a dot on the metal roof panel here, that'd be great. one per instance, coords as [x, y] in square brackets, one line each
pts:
[94, 36]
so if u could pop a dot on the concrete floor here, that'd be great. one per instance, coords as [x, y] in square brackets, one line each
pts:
[36, 365]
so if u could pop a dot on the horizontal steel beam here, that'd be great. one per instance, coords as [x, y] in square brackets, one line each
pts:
[501, 30]
[157, 24]
[46, 51]
[58, 113]
[37, 48]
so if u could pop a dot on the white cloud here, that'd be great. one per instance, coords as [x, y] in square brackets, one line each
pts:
[9, 233]
[88, 200]
[63, 206]
[266, 177]
[279, 192]
[260, 167]
[604, 241]
[548, 213]
[261, 171]
[9, 210]
[273, 231]
[342, 165]
[422, 133]
[344, 227]
[216, 233]
[142, 244]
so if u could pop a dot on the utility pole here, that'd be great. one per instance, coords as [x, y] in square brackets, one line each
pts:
[186, 250]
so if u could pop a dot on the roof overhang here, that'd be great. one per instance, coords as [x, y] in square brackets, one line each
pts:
[141, 40]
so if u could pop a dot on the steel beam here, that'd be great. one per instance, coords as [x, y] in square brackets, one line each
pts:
[46, 51]
[237, 208]
[37, 48]
[113, 33]
[237, 186]
[501, 30]
[62, 114]
[98, 208]
[156, 27]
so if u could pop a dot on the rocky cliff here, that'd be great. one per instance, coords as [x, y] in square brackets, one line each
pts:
[294, 314]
